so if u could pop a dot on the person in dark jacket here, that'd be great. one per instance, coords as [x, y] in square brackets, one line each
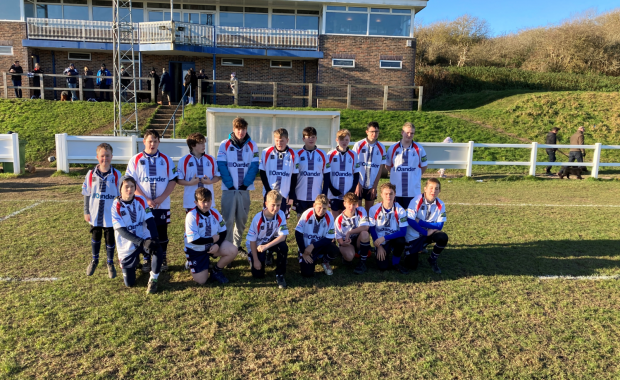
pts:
[205, 86]
[72, 74]
[89, 85]
[551, 140]
[165, 85]
[17, 79]
[154, 75]
[36, 80]
[576, 154]
[124, 83]
[104, 84]
[192, 81]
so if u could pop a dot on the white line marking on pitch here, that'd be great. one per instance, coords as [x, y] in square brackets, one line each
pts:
[616, 277]
[36, 279]
[20, 211]
[525, 204]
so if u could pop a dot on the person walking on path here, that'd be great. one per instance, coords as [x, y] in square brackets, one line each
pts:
[576, 154]
[552, 138]
[17, 79]
[165, 85]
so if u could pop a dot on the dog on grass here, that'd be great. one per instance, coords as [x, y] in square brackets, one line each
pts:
[574, 170]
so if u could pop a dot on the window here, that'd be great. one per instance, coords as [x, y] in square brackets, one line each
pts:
[199, 7]
[384, 64]
[282, 64]
[49, 11]
[390, 25]
[10, 10]
[346, 23]
[343, 63]
[232, 61]
[75, 56]
[231, 16]
[75, 12]
[253, 20]
[6, 50]
[160, 16]
[307, 22]
[283, 21]
[365, 21]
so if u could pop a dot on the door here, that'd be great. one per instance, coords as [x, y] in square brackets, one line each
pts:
[178, 70]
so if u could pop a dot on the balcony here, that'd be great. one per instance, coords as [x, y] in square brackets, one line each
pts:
[174, 32]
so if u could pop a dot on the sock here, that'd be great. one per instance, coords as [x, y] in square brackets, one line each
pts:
[154, 276]
[216, 268]
[395, 260]
[96, 246]
[364, 250]
[164, 256]
[436, 251]
[434, 255]
[110, 252]
[146, 258]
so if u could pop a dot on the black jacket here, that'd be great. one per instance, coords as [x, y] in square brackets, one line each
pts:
[148, 82]
[36, 81]
[165, 82]
[73, 75]
[17, 70]
[125, 82]
[551, 140]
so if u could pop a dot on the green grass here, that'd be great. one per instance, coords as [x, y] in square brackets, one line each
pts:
[487, 316]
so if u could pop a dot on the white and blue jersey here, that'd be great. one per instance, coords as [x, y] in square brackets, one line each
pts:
[342, 166]
[406, 165]
[279, 168]
[198, 225]
[387, 222]
[102, 188]
[430, 212]
[314, 229]
[238, 161]
[371, 157]
[312, 165]
[132, 216]
[191, 166]
[152, 173]
[345, 224]
[262, 230]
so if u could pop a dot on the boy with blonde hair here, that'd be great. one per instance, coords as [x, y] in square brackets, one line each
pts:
[344, 171]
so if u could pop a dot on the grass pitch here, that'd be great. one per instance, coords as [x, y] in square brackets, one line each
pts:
[488, 316]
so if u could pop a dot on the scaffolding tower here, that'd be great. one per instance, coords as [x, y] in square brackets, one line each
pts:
[125, 101]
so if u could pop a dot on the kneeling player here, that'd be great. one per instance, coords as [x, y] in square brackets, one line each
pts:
[352, 232]
[267, 234]
[314, 234]
[205, 235]
[426, 215]
[388, 226]
[135, 232]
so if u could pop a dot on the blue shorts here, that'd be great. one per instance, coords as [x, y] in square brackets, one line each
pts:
[366, 195]
[132, 260]
[415, 246]
[161, 216]
[198, 261]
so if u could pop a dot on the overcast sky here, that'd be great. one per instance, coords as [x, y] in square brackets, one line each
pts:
[505, 16]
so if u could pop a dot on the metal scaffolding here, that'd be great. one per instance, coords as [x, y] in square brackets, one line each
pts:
[125, 85]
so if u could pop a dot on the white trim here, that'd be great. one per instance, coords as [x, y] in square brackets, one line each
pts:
[280, 67]
[9, 46]
[390, 68]
[20, 211]
[78, 59]
[35, 279]
[344, 59]
[229, 64]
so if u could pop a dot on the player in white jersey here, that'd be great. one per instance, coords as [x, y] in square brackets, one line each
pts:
[406, 161]
[237, 160]
[388, 227]
[313, 172]
[99, 190]
[205, 235]
[197, 169]
[135, 232]
[344, 171]
[426, 215]
[314, 235]
[268, 233]
[156, 176]
[278, 169]
[371, 155]
[352, 232]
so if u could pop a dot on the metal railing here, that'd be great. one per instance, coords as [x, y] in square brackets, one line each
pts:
[175, 32]
[173, 118]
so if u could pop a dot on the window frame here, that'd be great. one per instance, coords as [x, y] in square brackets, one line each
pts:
[90, 56]
[229, 64]
[390, 68]
[344, 59]
[369, 12]
[280, 60]
[7, 46]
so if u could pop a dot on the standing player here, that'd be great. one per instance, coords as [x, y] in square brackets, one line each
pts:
[99, 190]
[156, 177]
[237, 160]
[314, 235]
[388, 227]
[426, 215]
[278, 170]
[205, 235]
[407, 162]
[372, 156]
[197, 169]
[344, 171]
[352, 232]
[313, 170]
[268, 233]
[135, 232]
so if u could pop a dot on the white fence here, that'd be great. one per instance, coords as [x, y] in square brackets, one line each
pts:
[9, 151]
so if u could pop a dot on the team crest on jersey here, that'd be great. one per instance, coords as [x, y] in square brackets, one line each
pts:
[147, 210]
[327, 166]
[303, 159]
[256, 154]
[123, 213]
[222, 223]
[402, 220]
[296, 166]
[330, 232]
[364, 150]
[161, 162]
[310, 221]
[335, 159]
[424, 159]
[142, 162]
[357, 165]
[200, 225]
[443, 214]
[191, 164]
[262, 227]
[272, 156]
[349, 160]
[232, 149]
[384, 157]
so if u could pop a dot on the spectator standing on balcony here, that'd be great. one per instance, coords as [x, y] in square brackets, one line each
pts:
[576, 154]
[17, 79]
[205, 87]
[153, 75]
[89, 85]
[104, 84]
[552, 139]
[165, 85]
[124, 83]
[71, 74]
[36, 81]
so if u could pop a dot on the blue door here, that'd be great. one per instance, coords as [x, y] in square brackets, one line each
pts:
[178, 70]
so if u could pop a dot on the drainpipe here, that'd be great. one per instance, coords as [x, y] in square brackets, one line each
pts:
[140, 70]
[54, 70]
[214, 84]
[303, 88]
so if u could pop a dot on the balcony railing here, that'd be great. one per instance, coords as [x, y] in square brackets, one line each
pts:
[184, 34]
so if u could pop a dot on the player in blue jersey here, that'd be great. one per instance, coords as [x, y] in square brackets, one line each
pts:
[99, 190]
[313, 174]
[344, 169]
[372, 156]
[352, 232]
[196, 169]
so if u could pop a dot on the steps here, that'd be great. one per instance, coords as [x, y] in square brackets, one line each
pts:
[163, 116]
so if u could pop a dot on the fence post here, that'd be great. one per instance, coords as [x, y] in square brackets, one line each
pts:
[134, 144]
[62, 153]
[385, 97]
[533, 157]
[596, 160]
[275, 94]
[199, 92]
[470, 159]
[236, 93]
[81, 84]
[420, 96]
[42, 86]
[6, 86]
[348, 96]
[153, 89]
[17, 165]
[310, 88]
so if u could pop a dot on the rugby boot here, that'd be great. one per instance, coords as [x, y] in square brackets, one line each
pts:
[327, 268]
[219, 277]
[111, 271]
[401, 269]
[434, 266]
[360, 268]
[281, 281]
[152, 286]
[91, 267]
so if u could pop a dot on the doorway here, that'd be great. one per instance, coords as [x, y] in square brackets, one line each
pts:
[178, 70]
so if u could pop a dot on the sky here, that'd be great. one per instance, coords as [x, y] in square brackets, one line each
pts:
[506, 16]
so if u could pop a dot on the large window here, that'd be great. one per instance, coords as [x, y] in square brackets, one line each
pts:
[102, 11]
[10, 10]
[286, 19]
[368, 21]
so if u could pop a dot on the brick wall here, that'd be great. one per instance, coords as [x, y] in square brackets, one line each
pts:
[12, 33]
[367, 52]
